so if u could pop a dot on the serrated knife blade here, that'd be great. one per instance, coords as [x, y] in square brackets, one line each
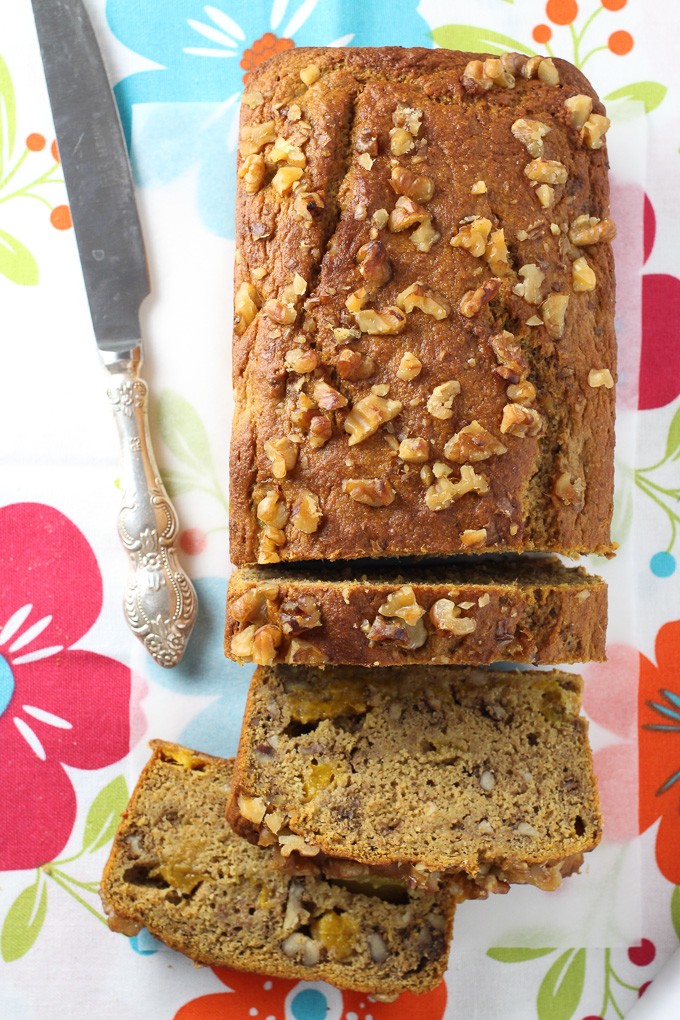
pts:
[159, 602]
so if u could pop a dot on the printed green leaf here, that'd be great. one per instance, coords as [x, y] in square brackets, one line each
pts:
[476, 40]
[23, 922]
[103, 817]
[16, 261]
[675, 910]
[183, 431]
[511, 955]
[8, 121]
[562, 986]
[178, 483]
[622, 517]
[673, 439]
[651, 93]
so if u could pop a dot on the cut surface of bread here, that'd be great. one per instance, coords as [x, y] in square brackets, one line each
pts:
[177, 868]
[424, 351]
[419, 769]
[534, 611]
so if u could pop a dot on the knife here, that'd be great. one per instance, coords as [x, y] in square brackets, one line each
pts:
[160, 601]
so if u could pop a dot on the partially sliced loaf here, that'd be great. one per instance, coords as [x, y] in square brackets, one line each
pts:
[515, 610]
[177, 869]
[419, 769]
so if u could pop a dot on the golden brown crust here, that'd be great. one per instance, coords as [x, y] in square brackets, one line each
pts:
[535, 612]
[177, 869]
[551, 491]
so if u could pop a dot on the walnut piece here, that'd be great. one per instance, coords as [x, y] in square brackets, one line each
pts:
[521, 421]
[327, 397]
[523, 392]
[374, 265]
[407, 117]
[253, 172]
[368, 414]
[306, 512]
[473, 539]
[582, 275]
[554, 313]
[425, 236]
[479, 188]
[242, 643]
[310, 74]
[283, 455]
[406, 214]
[403, 603]
[272, 510]
[530, 288]
[428, 301]
[414, 451]
[320, 431]
[418, 187]
[512, 363]
[301, 360]
[473, 236]
[304, 653]
[587, 230]
[594, 130]
[279, 312]
[299, 615]
[473, 301]
[387, 321]
[308, 204]
[369, 491]
[284, 151]
[446, 616]
[472, 444]
[496, 254]
[251, 808]
[441, 399]
[444, 492]
[531, 134]
[252, 605]
[254, 137]
[285, 177]
[247, 302]
[600, 377]
[580, 107]
[570, 490]
[546, 171]
[410, 367]
[265, 644]
[395, 631]
[545, 195]
[401, 141]
[354, 366]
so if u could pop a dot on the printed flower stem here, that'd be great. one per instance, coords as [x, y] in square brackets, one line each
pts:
[25, 191]
[63, 881]
[586, 25]
[590, 54]
[16, 168]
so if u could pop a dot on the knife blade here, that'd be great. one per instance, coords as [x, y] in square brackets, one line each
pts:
[159, 602]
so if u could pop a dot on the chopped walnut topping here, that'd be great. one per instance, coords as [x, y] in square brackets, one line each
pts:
[570, 490]
[600, 377]
[530, 288]
[396, 632]
[365, 160]
[547, 72]
[444, 492]
[587, 230]
[247, 301]
[414, 451]
[521, 421]
[513, 365]
[545, 195]
[522, 393]
[473, 236]
[242, 643]
[367, 142]
[401, 141]
[320, 431]
[554, 312]
[473, 443]
[474, 539]
[406, 213]
[374, 265]
[496, 253]
[304, 653]
[580, 107]
[301, 360]
[327, 397]
[403, 603]
[407, 117]
[582, 275]
[479, 188]
[252, 99]
[254, 137]
[299, 615]
[368, 414]
[410, 367]
[253, 172]
[294, 112]
[283, 314]
[425, 236]
[252, 605]
[272, 510]
[531, 134]
[441, 470]
[285, 177]
[308, 204]
[380, 217]
[306, 512]
[546, 171]
[284, 151]
[594, 130]
[356, 300]
[252, 808]
[497, 73]
[310, 74]
[354, 366]
[473, 301]
[419, 187]
[265, 643]
[474, 80]
[283, 455]
[369, 491]
[446, 616]
[441, 399]
[342, 335]
[387, 322]
[270, 542]
[428, 301]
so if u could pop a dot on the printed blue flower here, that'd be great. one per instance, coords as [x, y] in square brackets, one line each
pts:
[204, 672]
[202, 52]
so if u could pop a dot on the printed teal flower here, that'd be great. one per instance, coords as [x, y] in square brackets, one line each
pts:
[205, 673]
[202, 52]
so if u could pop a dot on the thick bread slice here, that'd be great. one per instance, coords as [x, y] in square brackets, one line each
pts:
[534, 611]
[419, 769]
[177, 869]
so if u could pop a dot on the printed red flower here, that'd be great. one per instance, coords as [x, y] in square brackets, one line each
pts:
[59, 706]
[279, 999]
[659, 748]
[660, 310]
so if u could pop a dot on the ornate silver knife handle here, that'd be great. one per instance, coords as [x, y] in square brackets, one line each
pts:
[160, 601]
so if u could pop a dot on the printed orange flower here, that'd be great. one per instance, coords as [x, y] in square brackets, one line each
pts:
[659, 747]
[279, 999]
[262, 49]
[561, 12]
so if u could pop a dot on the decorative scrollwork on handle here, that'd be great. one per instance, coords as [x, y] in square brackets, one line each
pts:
[160, 601]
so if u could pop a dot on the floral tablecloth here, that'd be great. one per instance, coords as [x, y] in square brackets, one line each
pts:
[78, 696]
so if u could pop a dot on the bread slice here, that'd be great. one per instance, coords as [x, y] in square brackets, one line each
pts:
[419, 769]
[424, 351]
[514, 610]
[177, 869]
